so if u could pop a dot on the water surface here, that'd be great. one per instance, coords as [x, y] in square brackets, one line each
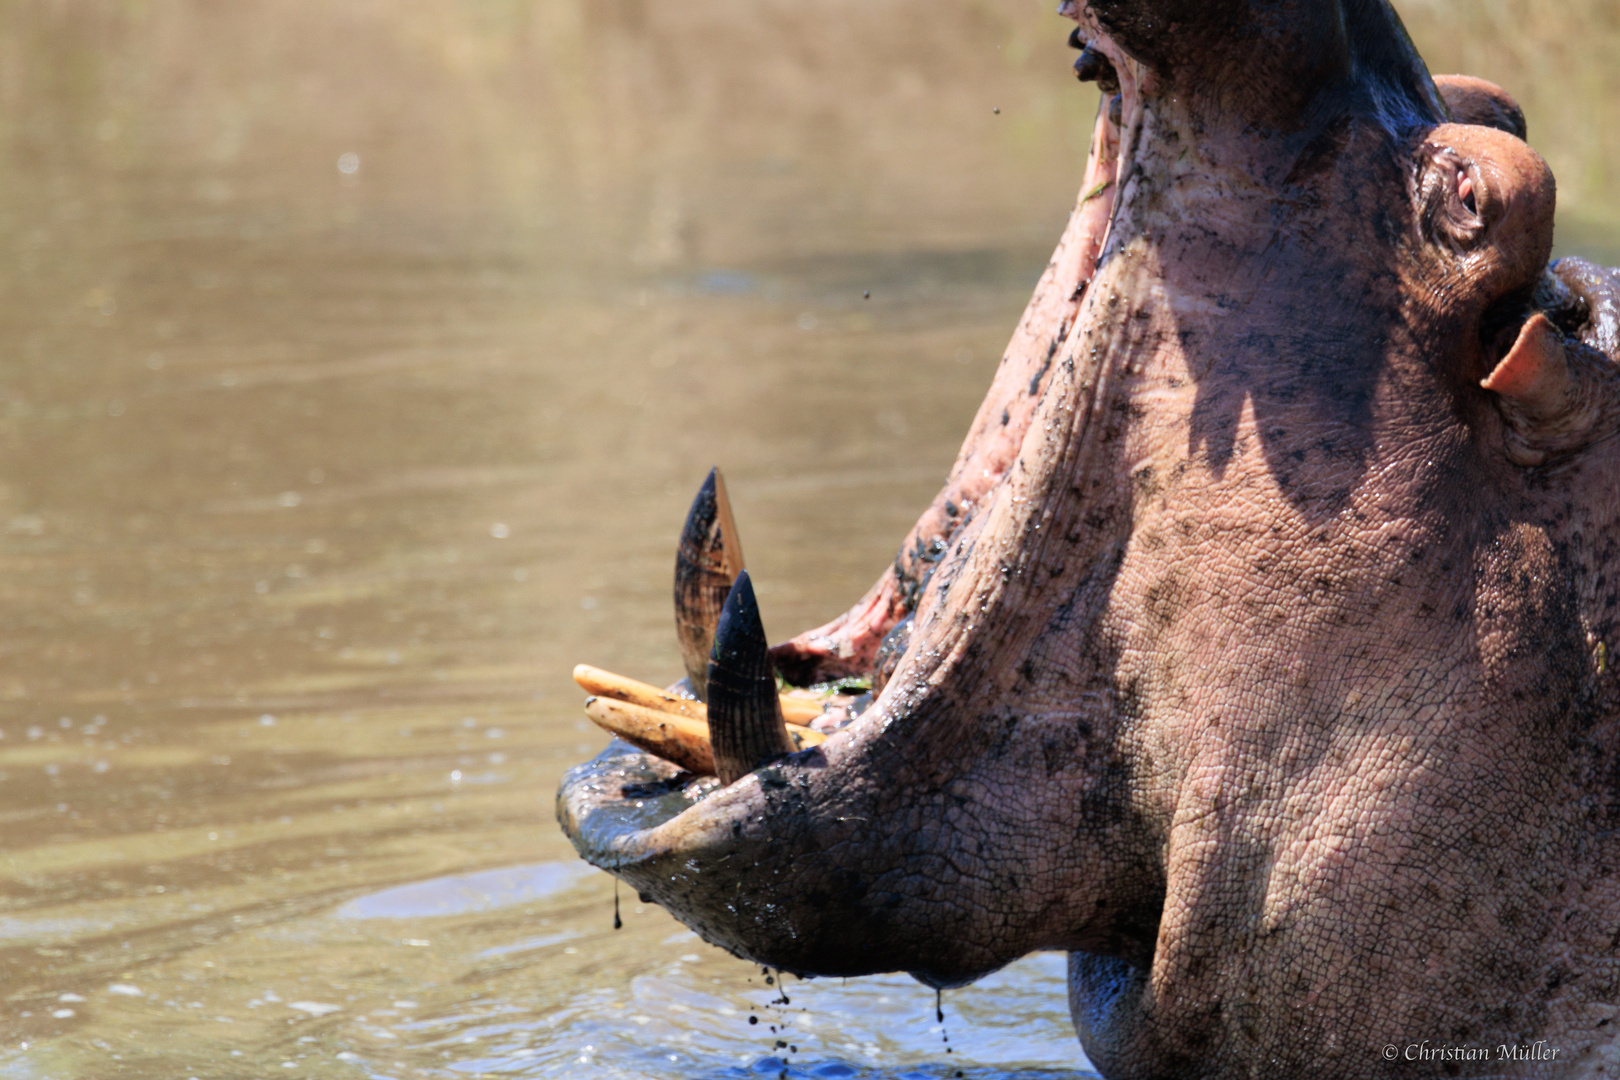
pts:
[357, 363]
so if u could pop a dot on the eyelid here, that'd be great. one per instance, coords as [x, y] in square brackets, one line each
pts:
[1467, 188]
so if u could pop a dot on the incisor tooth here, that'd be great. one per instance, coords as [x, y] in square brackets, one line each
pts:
[671, 736]
[683, 740]
[796, 708]
[594, 680]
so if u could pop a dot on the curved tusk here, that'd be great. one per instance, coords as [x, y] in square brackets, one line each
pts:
[745, 715]
[707, 561]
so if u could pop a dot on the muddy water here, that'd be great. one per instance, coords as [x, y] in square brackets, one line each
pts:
[357, 363]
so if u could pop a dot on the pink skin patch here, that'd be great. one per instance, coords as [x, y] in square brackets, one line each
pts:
[848, 645]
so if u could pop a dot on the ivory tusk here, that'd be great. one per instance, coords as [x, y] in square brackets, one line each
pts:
[796, 708]
[800, 710]
[594, 680]
[674, 737]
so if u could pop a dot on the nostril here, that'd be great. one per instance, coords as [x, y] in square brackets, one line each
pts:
[1465, 190]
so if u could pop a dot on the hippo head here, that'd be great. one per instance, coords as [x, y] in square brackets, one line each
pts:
[1255, 651]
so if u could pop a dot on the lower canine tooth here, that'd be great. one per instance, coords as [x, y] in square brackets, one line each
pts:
[707, 561]
[745, 715]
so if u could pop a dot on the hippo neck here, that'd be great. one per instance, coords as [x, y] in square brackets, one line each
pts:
[1205, 276]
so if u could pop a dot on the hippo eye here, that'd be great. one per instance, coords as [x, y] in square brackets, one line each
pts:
[1465, 191]
[1452, 199]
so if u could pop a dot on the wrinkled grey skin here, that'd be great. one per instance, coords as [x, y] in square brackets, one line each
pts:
[1253, 667]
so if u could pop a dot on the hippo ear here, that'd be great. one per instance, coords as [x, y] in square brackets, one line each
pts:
[1550, 398]
[1534, 376]
[1475, 101]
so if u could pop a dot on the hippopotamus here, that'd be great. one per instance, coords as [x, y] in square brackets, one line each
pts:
[1258, 650]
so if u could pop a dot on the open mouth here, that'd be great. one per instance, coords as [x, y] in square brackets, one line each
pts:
[1116, 134]
[730, 791]
[683, 729]
[728, 719]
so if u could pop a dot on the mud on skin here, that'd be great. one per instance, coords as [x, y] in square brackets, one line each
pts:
[1259, 640]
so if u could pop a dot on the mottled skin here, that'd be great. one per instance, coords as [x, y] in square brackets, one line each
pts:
[1259, 673]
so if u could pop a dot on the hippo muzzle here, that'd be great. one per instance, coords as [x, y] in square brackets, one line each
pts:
[1256, 650]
